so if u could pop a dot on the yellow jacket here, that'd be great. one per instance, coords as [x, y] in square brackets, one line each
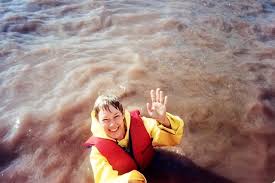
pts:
[162, 136]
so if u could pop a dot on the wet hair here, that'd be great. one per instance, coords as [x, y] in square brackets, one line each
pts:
[104, 101]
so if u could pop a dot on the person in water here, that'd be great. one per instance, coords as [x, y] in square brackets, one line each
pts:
[122, 142]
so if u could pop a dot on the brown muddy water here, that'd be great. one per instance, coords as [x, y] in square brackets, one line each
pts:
[215, 59]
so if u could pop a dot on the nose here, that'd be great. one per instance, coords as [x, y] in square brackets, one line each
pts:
[112, 123]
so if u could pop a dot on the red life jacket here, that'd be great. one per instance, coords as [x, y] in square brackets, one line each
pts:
[120, 160]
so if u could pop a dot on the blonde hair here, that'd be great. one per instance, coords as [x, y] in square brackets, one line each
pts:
[104, 101]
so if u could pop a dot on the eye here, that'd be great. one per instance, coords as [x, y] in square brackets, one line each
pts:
[105, 120]
[117, 116]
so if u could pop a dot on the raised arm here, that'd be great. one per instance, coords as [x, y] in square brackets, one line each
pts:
[164, 128]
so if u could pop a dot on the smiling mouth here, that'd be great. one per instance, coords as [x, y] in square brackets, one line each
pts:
[114, 130]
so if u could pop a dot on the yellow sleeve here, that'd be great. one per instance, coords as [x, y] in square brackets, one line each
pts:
[163, 136]
[104, 173]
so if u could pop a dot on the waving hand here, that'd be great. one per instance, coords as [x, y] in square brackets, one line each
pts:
[157, 107]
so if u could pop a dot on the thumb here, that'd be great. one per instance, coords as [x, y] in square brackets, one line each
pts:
[149, 108]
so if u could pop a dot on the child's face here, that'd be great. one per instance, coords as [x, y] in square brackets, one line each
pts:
[112, 122]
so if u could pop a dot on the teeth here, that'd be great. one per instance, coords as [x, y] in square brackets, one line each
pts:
[113, 130]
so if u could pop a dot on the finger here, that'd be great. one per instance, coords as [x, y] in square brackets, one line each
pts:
[161, 97]
[153, 96]
[149, 109]
[157, 95]
[165, 100]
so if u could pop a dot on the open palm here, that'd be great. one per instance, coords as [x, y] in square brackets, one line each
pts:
[157, 107]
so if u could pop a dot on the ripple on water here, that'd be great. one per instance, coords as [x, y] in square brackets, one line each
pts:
[215, 60]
